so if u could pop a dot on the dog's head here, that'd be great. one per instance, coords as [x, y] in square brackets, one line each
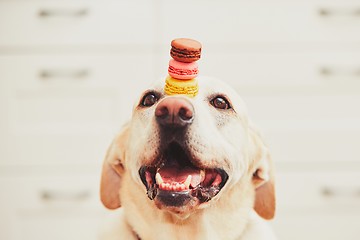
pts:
[187, 153]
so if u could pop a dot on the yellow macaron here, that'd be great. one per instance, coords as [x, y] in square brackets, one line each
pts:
[174, 86]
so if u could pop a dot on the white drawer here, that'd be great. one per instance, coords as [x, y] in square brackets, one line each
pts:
[66, 116]
[318, 190]
[37, 72]
[75, 22]
[313, 146]
[307, 126]
[71, 94]
[45, 188]
[310, 68]
[302, 107]
[333, 224]
[306, 115]
[51, 205]
[306, 68]
[24, 149]
[262, 21]
[315, 201]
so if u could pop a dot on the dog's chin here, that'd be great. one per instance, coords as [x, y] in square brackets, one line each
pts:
[177, 183]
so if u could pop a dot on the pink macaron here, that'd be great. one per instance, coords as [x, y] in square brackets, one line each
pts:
[183, 71]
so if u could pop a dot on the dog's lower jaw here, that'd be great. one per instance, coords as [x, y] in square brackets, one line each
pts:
[183, 203]
[177, 217]
[150, 222]
[181, 212]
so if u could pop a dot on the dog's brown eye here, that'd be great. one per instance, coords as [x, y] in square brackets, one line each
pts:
[149, 100]
[220, 102]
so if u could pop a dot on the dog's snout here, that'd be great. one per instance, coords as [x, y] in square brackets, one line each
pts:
[174, 112]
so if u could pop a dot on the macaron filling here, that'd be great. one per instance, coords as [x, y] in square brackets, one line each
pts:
[184, 55]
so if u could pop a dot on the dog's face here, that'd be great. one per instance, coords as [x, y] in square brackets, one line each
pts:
[185, 153]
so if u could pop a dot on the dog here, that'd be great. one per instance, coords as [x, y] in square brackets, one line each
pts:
[189, 168]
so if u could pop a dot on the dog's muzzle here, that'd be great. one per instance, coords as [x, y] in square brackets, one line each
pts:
[175, 179]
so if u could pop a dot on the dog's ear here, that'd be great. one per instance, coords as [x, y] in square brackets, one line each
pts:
[112, 170]
[263, 176]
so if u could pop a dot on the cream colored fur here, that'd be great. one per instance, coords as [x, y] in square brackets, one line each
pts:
[218, 139]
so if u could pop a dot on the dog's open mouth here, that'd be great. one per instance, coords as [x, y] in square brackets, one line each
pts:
[176, 181]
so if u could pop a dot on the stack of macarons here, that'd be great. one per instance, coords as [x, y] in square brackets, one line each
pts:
[183, 68]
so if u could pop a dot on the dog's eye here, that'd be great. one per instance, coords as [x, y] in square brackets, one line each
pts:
[149, 100]
[220, 102]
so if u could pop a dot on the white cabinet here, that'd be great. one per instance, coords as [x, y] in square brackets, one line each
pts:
[69, 74]
[296, 64]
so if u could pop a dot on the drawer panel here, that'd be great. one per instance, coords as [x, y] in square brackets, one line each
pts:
[262, 21]
[75, 22]
[55, 149]
[73, 92]
[310, 68]
[284, 68]
[50, 205]
[302, 108]
[66, 118]
[61, 129]
[93, 71]
[318, 190]
[330, 225]
[317, 202]
[303, 128]
[312, 145]
[52, 189]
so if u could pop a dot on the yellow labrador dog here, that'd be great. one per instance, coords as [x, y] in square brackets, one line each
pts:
[189, 168]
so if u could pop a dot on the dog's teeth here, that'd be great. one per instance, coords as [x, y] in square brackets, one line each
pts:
[158, 179]
[202, 175]
[188, 181]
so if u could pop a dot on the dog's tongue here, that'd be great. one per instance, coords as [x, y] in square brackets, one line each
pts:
[171, 174]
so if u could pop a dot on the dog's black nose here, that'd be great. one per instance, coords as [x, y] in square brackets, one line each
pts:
[174, 112]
